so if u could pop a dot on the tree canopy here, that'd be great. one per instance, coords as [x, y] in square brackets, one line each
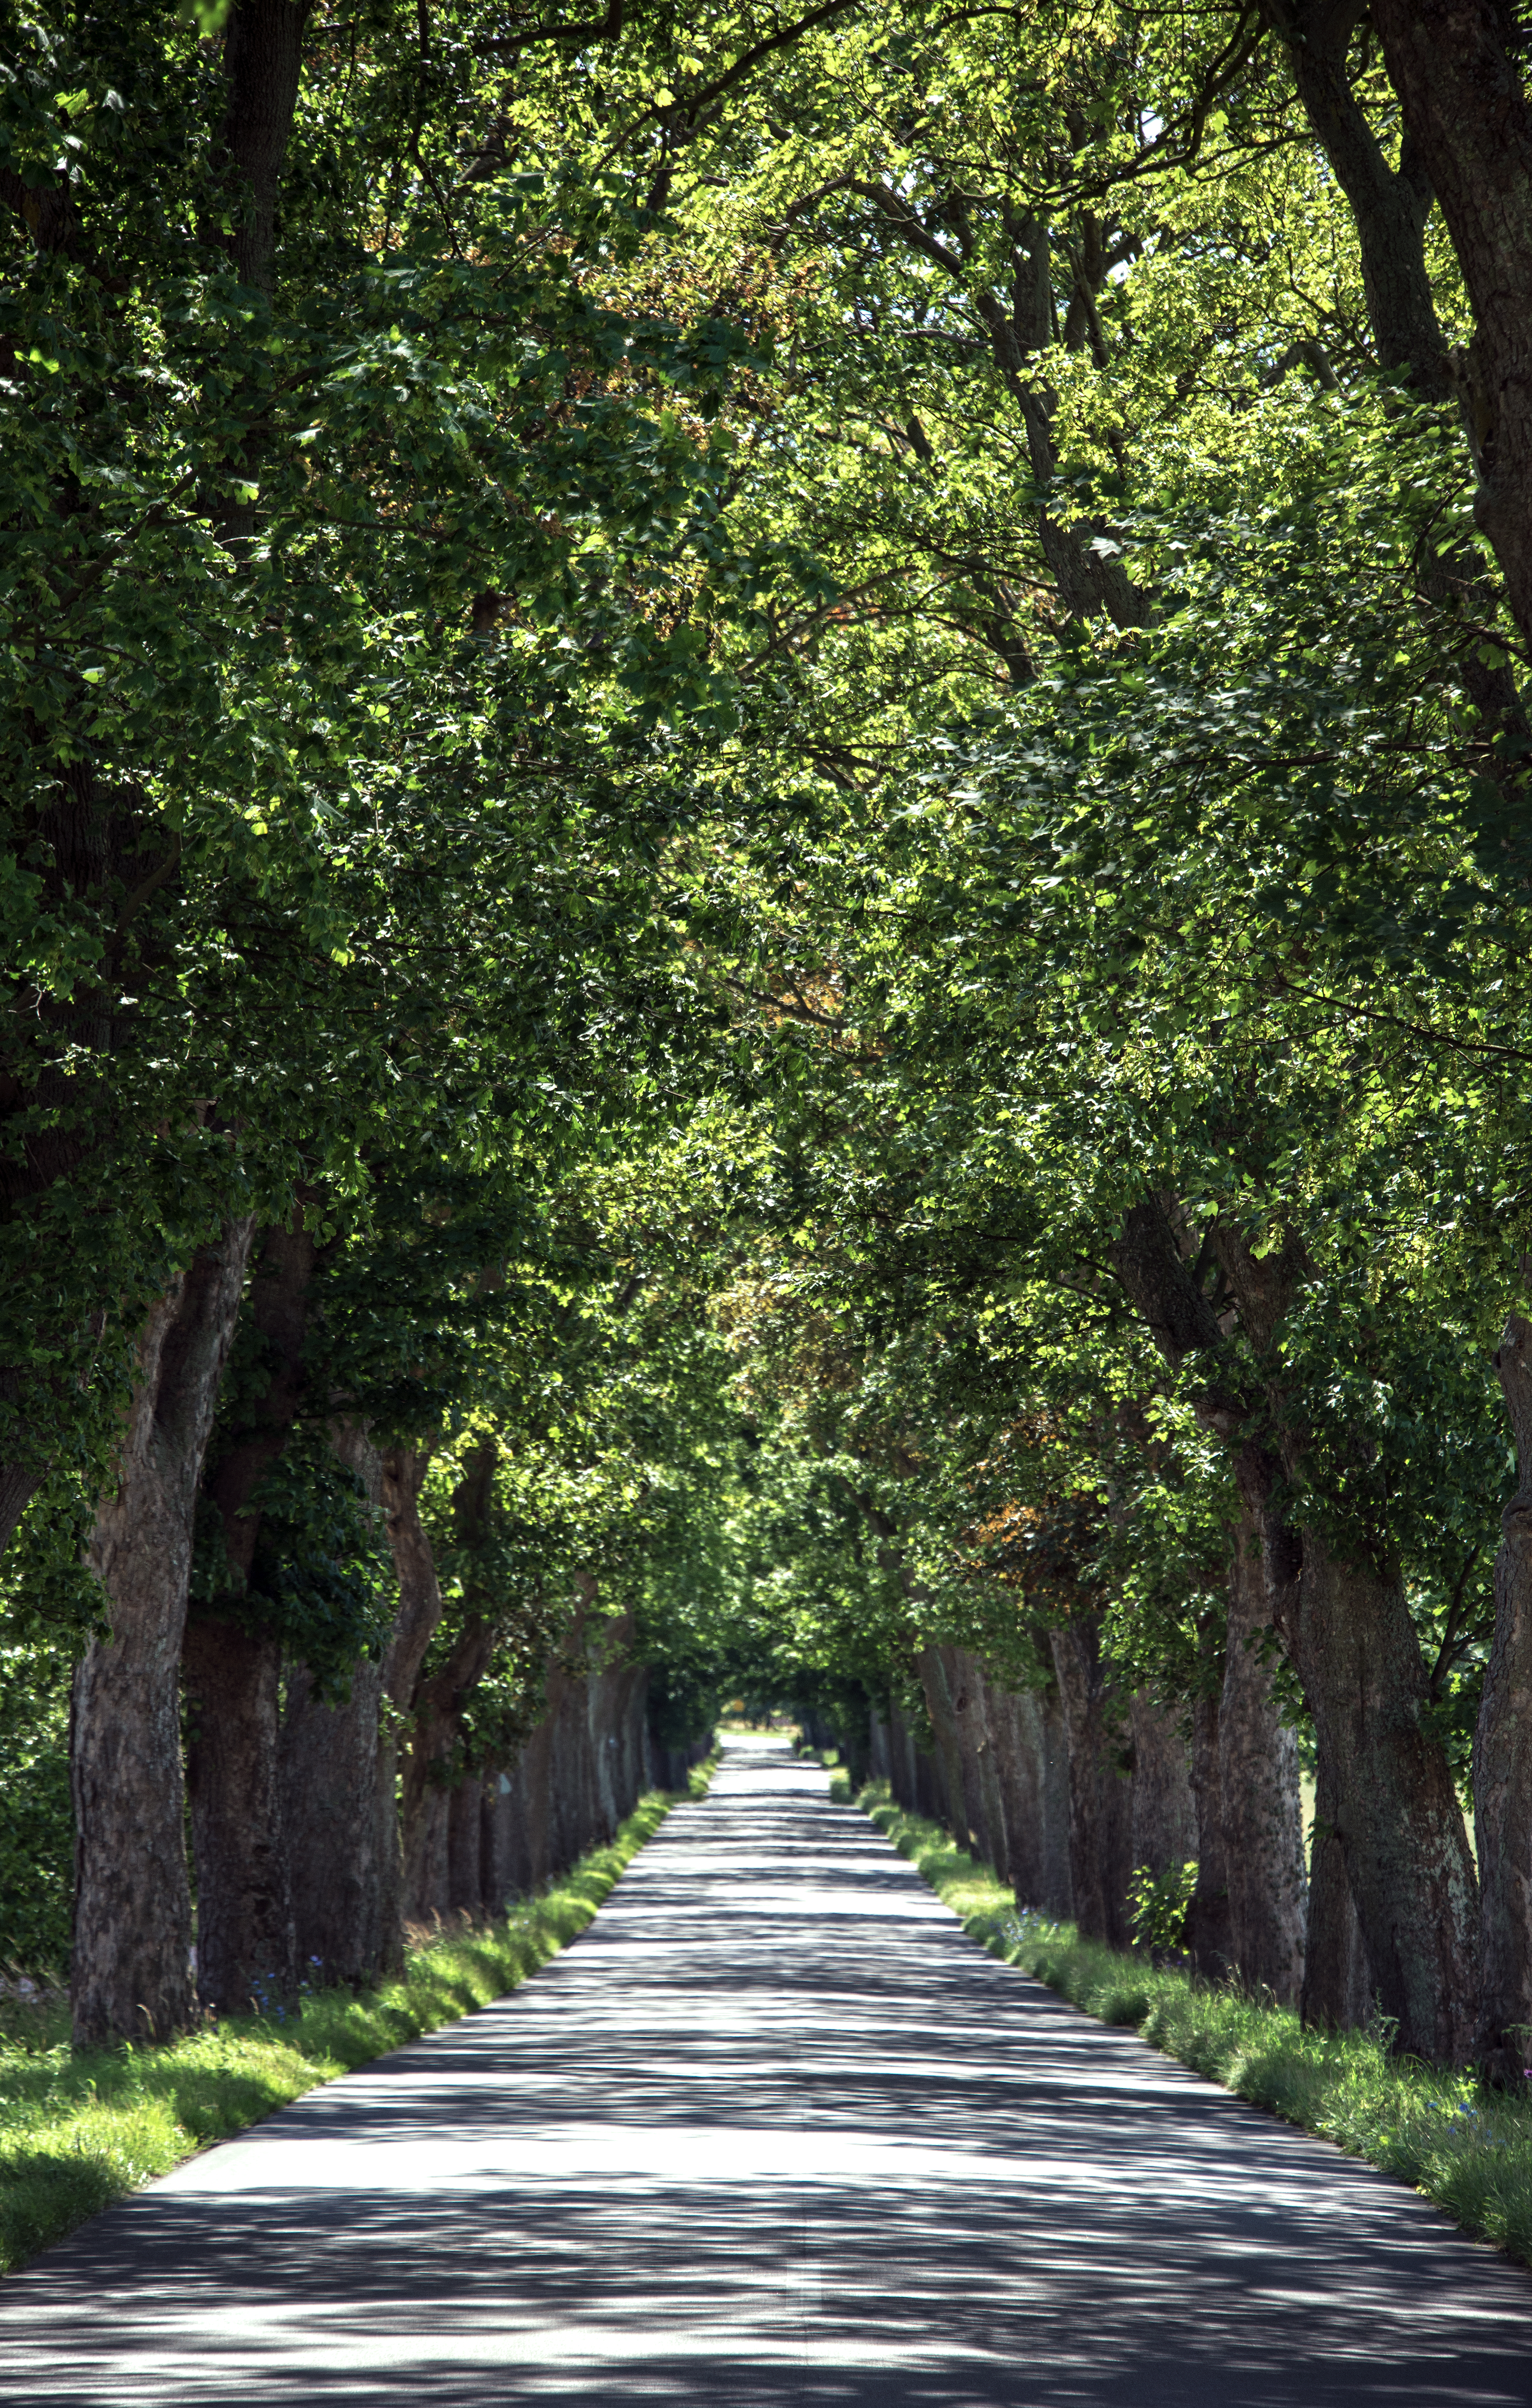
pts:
[779, 758]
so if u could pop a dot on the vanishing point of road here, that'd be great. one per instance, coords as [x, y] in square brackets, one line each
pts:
[775, 2131]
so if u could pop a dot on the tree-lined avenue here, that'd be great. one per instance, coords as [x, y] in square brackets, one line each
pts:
[773, 2130]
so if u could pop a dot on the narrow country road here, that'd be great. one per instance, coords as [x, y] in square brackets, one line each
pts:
[774, 2130]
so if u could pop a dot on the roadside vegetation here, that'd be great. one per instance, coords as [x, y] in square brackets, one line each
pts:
[1467, 2151]
[80, 2128]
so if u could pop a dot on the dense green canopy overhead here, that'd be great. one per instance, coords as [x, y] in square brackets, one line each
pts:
[796, 739]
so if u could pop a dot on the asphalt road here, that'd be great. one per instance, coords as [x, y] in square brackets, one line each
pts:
[773, 2130]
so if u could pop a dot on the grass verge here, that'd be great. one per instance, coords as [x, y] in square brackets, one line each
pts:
[1468, 2150]
[78, 2130]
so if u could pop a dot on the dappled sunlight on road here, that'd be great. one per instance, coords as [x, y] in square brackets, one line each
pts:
[772, 2130]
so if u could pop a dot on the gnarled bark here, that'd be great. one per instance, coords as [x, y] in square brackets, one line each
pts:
[401, 1475]
[131, 1976]
[983, 1709]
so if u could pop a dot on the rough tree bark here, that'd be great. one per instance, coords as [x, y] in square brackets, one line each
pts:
[1162, 1814]
[233, 1674]
[1260, 1802]
[984, 1718]
[333, 1832]
[415, 1624]
[332, 1827]
[1502, 1760]
[1345, 1622]
[262, 61]
[946, 1729]
[464, 1854]
[1336, 1977]
[1208, 1937]
[435, 1706]
[131, 1976]
[1099, 1801]
[1346, 1627]
[246, 1943]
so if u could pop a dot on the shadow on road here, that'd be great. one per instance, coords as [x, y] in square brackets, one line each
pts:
[772, 2130]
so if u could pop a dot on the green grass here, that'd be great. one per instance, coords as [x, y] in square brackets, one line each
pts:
[1468, 2150]
[78, 2130]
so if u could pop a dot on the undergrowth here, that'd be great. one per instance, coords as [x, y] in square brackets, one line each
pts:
[1468, 2150]
[79, 2128]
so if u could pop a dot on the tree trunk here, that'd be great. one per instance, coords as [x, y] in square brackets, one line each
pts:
[402, 1473]
[1098, 1805]
[1457, 65]
[944, 1727]
[262, 61]
[499, 1844]
[1347, 1630]
[436, 1705]
[1346, 1625]
[1208, 1937]
[245, 1927]
[131, 1976]
[1016, 1736]
[1502, 1760]
[330, 1761]
[880, 1748]
[1336, 1979]
[1389, 205]
[1261, 1803]
[1396, 1811]
[246, 1949]
[1058, 1895]
[1162, 1817]
[277, 1307]
[19, 1485]
[423, 1793]
[901, 1759]
[465, 1859]
[404, 1470]
[340, 1820]
[1390, 208]
[991, 1803]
